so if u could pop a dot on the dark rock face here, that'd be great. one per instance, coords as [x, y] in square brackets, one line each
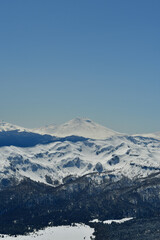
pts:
[114, 160]
[34, 204]
[99, 167]
[76, 162]
[48, 179]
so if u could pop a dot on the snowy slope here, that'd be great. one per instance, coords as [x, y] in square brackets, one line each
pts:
[150, 135]
[4, 126]
[120, 156]
[104, 151]
[79, 127]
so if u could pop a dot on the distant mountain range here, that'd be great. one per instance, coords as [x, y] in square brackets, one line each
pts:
[79, 127]
[79, 147]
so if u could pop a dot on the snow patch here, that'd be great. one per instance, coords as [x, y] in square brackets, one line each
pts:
[117, 221]
[111, 221]
[77, 232]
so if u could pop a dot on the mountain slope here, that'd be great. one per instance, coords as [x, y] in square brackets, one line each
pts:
[64, 160]
[21, 137]
[79, 127]
[52, 160]
[150, 135]
[4, 126]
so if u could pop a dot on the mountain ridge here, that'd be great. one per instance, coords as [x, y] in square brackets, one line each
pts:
[83, 127]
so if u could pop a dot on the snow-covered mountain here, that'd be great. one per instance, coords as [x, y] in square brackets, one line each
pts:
[79, 127]
[4, 126]
[55, 180]
[118, 156]
[50, 160]
[150, 135]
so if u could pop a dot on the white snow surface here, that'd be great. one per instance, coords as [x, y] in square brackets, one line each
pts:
[112, 220]
[117, 221]
[4, 126]
[78, 232]
[79, 127]
[150, 135]
[117, 156]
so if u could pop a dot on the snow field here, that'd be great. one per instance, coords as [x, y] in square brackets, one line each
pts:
[78, 232]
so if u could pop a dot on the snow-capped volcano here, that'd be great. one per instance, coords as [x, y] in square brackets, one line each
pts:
[79, 127]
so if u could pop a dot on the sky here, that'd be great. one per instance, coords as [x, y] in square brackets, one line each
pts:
[93, 59]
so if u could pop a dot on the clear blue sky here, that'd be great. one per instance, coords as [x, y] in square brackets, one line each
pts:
[60, 59]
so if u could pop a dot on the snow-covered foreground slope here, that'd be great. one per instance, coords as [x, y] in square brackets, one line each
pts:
[119, 156]
[78, 232]
[79, 127]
